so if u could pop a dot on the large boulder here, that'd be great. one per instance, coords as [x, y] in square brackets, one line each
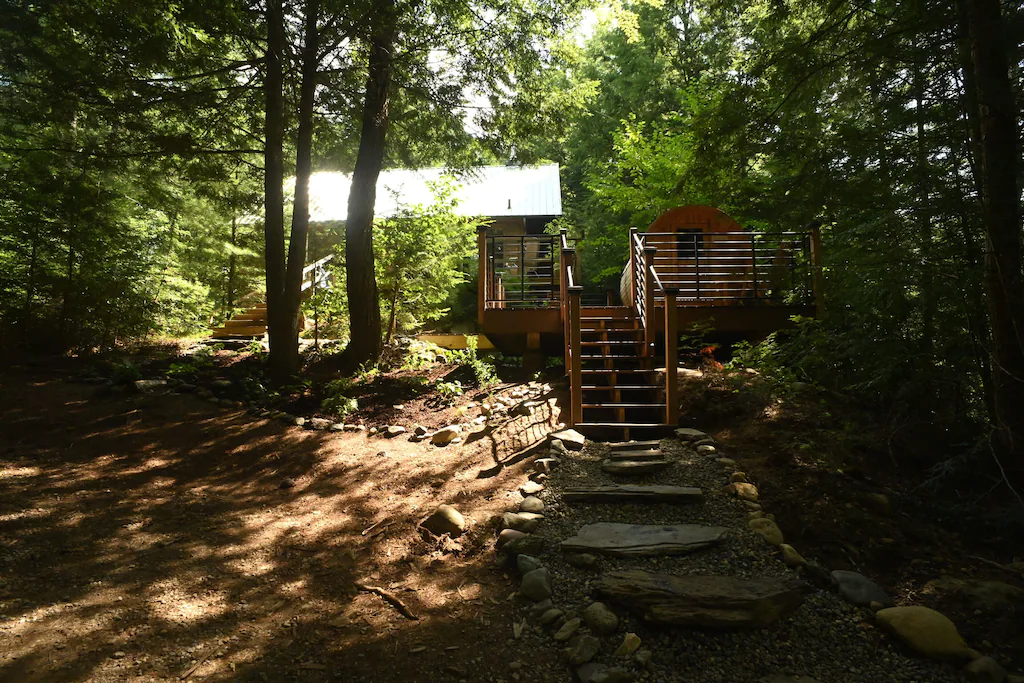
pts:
[718, 602]
[445, 520]
[570, 438]
[927, 632]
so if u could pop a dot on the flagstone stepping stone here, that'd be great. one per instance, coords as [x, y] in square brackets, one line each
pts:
[633, 493]
[688, 434]
[720, 602]
[634, 467]
[612, 538]
[635, 445]
[636, 455]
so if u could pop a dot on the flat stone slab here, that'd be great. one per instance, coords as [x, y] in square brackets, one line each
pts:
[634, 467]
[636, 455]
[612, 538]
[635, 445]
[633, 493]
[718, 602]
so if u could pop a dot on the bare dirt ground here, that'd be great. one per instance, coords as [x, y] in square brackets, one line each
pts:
[145, 537]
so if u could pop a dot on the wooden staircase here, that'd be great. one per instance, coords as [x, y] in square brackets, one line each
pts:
[618, 387]
[252, 322]
[620, 391]
[248, 324]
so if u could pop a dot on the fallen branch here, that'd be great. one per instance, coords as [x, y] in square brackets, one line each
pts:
[390, 598]
[195, 667]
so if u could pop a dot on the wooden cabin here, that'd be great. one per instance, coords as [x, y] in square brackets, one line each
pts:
[693, 264]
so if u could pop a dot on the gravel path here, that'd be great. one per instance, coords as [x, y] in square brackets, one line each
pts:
[826, 638]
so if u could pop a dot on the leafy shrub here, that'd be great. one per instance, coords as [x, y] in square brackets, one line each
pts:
[447, 392]
[125, 372]
[483, 371]
[339, 405]
[336, 402]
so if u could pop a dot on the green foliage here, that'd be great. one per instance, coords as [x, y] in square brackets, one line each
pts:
[484, 374]
[125, 372]
[448, 392]
[339, 405]
[421, 251]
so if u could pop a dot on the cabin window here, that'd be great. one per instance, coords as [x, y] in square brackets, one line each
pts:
[690, 243]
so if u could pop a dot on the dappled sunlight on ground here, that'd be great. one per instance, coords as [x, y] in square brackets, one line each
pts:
[146, 538]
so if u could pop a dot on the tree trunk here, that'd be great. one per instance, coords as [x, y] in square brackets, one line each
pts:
[299, 236]
[361, 280]
[1004, 279]
[273, 160]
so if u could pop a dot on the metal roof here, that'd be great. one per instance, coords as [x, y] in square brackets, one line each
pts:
[491, 191]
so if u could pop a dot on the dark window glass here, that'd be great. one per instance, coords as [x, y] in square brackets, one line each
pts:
[690, 243]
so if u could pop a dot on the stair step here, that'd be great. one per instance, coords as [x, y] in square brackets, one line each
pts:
[244, 322]
[254, 331]
[614, 371]
[634, 467]
[612, 342]
[609, 538]
[638, 456]
[624, 425]
[633, 493]
[635, 445]
[623, 405]
[623, 387]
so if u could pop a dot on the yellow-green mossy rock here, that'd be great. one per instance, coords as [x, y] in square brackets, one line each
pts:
[927, 632]
[768, 529]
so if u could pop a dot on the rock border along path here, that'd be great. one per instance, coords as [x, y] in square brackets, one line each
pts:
[799, 623]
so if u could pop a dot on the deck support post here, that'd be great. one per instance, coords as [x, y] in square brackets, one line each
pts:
[576, 374]
[818, 273]
[481, 297]
[648, 294]
[671, 357]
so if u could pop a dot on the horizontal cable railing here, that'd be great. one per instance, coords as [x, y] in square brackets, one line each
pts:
[717, 268]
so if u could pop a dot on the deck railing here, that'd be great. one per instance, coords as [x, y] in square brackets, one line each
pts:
[641, 286]
[571, 294]
[736, 268]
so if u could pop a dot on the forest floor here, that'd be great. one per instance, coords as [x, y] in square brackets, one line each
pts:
[146, 537]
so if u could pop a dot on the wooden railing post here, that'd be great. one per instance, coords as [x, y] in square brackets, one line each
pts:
[481, 297]
[568, 256]
[818, 273]
[576, 375]
[648, 295]
[671, 358]
[632, 268]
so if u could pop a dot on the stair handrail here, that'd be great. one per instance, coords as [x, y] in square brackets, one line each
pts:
[647, 288]
[569, 299]
[315, 275]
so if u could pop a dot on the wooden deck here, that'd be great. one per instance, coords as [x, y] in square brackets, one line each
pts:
[622, 372]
